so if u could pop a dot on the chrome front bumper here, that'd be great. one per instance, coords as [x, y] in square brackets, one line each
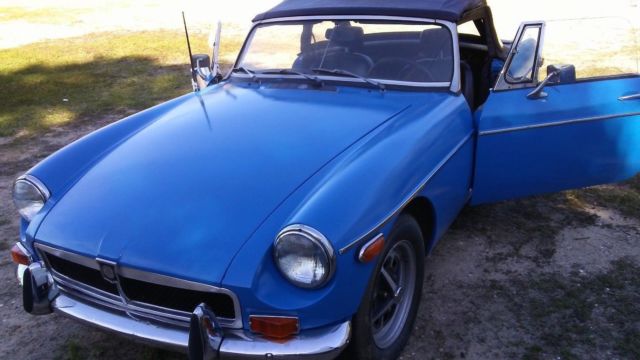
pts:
[323, 343]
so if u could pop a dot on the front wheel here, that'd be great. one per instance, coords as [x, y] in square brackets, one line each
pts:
[382, 326]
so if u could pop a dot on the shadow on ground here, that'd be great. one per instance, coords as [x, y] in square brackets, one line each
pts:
[40, 96]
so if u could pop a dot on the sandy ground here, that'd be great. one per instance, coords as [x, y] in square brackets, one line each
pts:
[79, 17]
[542, 278]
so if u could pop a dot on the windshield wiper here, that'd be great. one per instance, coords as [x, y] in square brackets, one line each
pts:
[340, 72]
[246, 71]
[294, 72]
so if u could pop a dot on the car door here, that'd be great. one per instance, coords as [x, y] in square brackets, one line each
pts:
[557, 134]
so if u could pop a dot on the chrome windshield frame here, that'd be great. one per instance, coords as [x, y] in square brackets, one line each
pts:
[453, 86]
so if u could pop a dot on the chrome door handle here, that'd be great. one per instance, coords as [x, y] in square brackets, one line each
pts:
[629, 97]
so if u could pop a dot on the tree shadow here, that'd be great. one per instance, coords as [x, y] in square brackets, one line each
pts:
[40, 96]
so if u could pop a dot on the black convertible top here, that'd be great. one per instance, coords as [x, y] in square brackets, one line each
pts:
[451, 10]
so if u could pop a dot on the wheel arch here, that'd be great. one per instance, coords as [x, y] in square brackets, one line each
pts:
[422, 209]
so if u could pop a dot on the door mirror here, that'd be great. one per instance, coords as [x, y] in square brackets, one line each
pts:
[201, 61]
[556, 74]
[565, 74]
[205, 72]
[202, 69]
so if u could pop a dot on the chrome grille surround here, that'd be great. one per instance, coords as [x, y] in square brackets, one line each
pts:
[134, 309]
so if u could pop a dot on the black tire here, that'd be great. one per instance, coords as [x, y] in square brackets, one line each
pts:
[363, 345]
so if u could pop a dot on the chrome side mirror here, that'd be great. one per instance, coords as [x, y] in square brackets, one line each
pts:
[202, 66]
[556, 74]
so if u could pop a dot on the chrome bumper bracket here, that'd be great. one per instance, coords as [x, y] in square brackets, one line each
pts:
[38, 291]
[205, 334]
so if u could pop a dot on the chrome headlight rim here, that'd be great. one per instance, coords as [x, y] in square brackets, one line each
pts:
[320, 240]
[35, 183]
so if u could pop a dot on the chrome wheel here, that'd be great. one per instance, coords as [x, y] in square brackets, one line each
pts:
[393, 294]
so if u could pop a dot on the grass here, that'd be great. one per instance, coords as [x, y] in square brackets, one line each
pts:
[61, 81]
[625, 197]
[525, 228]
[560, 314]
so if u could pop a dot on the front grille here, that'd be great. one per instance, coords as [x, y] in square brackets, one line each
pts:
[81, 274]
[176, 301]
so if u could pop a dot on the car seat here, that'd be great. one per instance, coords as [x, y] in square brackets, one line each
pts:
[346, 41]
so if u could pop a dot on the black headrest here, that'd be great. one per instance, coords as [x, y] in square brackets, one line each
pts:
[436, 41]
[345, 35]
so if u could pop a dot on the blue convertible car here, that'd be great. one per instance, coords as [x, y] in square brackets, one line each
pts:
[285, 209]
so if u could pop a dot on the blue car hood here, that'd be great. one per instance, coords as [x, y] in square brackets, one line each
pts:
[182, 195]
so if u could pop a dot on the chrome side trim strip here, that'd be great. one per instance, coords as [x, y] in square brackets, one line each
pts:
[629, 97]
[558, 123]
[143, 309]
[415, 192]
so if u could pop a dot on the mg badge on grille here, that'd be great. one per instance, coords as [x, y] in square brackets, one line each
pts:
[108, 271]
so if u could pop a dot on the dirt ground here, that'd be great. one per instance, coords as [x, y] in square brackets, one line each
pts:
[36, 20]
[552, 277]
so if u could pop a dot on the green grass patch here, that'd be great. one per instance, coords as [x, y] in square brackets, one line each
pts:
[61, 81]
[569, 317]
[635, 183]
[624, 197]
[524, 229]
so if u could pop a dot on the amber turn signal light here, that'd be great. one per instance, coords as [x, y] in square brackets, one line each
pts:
[371, 249]
[18, 256]
[274, 327]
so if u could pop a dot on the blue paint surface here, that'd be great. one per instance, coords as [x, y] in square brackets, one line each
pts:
[580, 135]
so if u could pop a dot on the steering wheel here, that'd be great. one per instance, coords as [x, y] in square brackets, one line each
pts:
[388, 68]
[414, 70]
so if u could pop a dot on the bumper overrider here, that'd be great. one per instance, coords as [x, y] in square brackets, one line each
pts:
[204, 339]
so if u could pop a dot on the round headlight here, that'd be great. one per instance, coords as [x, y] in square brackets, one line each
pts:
[29, 196]
[304, 256]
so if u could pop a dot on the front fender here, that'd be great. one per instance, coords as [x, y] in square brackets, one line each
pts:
[347, 199]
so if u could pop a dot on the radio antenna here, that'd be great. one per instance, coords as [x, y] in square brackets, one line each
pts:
[193, 74]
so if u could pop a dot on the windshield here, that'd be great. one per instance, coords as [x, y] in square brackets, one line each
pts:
[390, 52]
